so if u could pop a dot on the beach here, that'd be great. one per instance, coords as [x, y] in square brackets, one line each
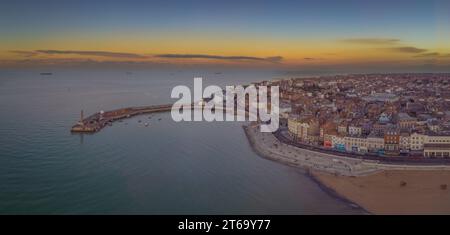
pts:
[376, 187]
[394, 192]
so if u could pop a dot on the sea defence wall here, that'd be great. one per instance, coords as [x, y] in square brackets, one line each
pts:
[99, 120]
[268, 146]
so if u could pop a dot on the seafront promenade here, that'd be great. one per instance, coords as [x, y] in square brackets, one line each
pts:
[267, 146]
[270, 147]
[283, 136]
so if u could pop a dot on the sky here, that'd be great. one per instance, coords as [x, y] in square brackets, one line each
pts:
[286, 34]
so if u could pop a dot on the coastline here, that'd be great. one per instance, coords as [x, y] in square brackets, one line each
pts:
[374, 187]
[308, 172]
[350, 180]
[330, 191]
[395, 192]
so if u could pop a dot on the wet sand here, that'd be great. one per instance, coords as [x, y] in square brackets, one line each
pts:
[394, 192]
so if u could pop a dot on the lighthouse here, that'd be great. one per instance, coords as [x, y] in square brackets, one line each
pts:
[81, 118]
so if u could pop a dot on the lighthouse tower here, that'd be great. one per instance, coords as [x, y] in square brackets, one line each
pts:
[81, 118]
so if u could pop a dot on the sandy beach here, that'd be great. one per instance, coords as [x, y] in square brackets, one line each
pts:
[378, 188]
[394, 192]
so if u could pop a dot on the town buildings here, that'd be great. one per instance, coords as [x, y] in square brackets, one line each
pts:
[384, 114]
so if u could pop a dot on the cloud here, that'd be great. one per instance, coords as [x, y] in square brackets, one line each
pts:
[430, 54]
[311, 58]
[388, 41]
[24, 53]
[405, 49]
[433, 54]
[77, 62]
[88, 53]
[94, 53]
[371, 41]
[273, 59]
[124, 55]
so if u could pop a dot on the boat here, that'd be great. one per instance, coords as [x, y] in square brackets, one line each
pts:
[146, 124]
[46, 74]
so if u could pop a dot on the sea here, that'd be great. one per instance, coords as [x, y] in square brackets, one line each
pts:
[165, 167]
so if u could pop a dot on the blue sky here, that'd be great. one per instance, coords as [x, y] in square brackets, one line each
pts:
[37, 25]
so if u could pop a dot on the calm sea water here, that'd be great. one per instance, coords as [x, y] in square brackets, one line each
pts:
[165, 168]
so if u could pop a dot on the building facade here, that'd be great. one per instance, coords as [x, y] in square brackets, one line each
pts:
[437, 146]
[417, 140]
[392, 142]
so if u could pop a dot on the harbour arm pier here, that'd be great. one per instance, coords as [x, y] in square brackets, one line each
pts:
[99, 120]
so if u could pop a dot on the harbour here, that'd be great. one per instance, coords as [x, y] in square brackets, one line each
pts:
[99, 120]
[127, 168]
